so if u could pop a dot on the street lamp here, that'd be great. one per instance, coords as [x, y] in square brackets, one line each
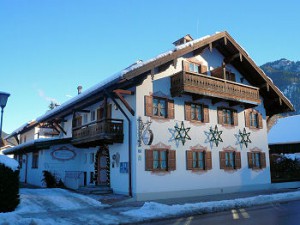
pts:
[3, 100]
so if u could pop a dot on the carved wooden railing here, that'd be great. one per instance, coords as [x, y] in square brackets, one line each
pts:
[111, 129]
[188, 82]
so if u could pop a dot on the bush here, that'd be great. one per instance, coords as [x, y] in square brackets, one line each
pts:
[51, 181]
[9, 189]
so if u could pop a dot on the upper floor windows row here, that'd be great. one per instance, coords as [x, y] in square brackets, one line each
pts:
[160, 107]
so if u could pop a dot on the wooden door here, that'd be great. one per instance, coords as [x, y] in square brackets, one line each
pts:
[102, 168]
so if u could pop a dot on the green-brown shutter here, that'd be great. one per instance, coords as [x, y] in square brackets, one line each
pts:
[185, 65]
[148, 160]
[189, 160]
[238, 163]
[260, 121]
[205, 114]
[222, 160]
[171, 160]
[108, 111]
[171, 109]
[235, 118]
[220, 116]
[203, 69]
[208, 160]
[263, 163]
[148, 105]
[247, 118]
[187, 111]
[250, 162]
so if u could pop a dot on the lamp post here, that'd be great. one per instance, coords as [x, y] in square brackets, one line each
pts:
[3, 100]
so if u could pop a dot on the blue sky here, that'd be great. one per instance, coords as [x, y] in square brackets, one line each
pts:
[49, 47]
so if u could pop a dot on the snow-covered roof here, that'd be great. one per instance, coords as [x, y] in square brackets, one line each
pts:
[285, 131]
[9, 162]
[32, 143]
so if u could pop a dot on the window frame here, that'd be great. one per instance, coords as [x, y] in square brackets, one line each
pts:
[159, 99]
[149, 107]
[35, 160]
[233, 116]
[236, 159]
[160, 160]
[261, 158]
[188, 112]
[170, 158]
[253, 119]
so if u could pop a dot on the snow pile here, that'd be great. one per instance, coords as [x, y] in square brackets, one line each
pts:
[9, 162]
[157, 210]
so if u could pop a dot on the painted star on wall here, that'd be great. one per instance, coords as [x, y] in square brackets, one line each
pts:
[244, 137]
[182, 133]
[215, 135]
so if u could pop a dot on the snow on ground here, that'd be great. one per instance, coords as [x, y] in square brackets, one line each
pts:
[152, 210]
[58, 206]
[9, 162]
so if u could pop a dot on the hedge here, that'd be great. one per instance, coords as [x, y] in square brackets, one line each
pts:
[9, 189]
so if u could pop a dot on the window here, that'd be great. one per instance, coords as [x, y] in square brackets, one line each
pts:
[159, 107]
[198, 160]
[230, 76]
[100, 112]
[194, 68]
[256, 160]
[35, 160]
[196, 112]
[93, 115]
[85, 118]
[253, 119]
[227, 116]
[230, 160]
[160, 160]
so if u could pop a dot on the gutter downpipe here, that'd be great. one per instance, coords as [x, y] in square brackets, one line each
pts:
[129, 140]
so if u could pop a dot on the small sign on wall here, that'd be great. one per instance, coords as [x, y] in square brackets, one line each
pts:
[63, 153]
[123, 167]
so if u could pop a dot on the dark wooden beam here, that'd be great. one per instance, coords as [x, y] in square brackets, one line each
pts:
[60, 128]
[119, 92]
[124, 92]
[229, 59]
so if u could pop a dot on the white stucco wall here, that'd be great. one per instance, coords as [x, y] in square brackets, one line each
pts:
[183, 181]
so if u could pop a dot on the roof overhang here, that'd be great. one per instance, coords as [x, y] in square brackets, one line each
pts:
[36, 145]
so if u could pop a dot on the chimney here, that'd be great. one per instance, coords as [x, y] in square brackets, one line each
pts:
[79, 89]
[183, 40]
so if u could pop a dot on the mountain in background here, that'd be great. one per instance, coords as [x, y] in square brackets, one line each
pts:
[286, 76]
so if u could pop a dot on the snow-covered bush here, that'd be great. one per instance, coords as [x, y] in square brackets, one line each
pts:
[9, 184]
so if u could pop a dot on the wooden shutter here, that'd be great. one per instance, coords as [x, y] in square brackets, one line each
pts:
[235, 118]
[205, 114]
[247, 118]
[148, 160]
[108, 111]
[263, 163]
[148, 105]
[171, 160]
[237, 159]
[250, 162]
[203, 69]
[208, 161]
[187, 111]
[260, 121]
[220, 116]
[189, 160]
[100, 113]
[185, 65]
[222, 160]
[171, 109]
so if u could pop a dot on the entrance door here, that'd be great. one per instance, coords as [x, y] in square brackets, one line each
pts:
[102, 168]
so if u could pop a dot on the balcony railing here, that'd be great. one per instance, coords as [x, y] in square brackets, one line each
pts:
[193, 83]
[105, 130]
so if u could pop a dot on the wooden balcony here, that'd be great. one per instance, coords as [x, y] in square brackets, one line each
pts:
[196, 84]
[105, 131]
